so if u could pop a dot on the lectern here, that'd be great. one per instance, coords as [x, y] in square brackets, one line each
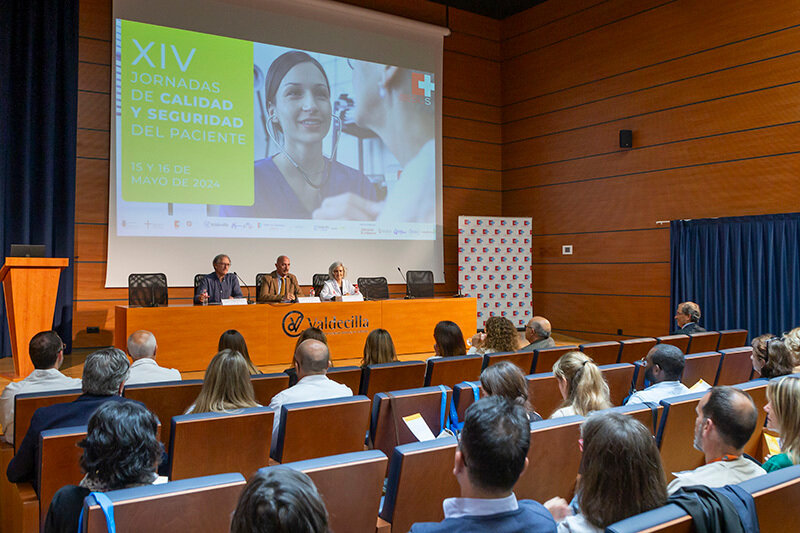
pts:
[30, 285]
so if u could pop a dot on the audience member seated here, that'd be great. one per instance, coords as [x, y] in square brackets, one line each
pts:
[448, 340]
[308, 333]
[491, 455]
[500, 336]
[378, 348]
[663, 368]
[337, 284]
[46, 350]
[311, 362]
[771, 356]
[581, 384]
[537, 333]
[279, 285]
[233, 340]
[783, 417]
[726, 418]
[792, 340]
[104, 375]
[507, 380]
[142, 348]
[621, 475]
[121, 450]
[226, 385]
[280, 500]
[687, 317]
[219, 285]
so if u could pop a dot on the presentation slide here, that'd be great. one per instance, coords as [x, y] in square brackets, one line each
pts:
[224, 137]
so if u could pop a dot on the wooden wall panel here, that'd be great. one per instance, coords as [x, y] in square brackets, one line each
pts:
[710, 91]
[472, 145]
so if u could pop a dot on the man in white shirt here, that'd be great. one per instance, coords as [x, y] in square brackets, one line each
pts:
[663, 368]
[311, 361]
[726, 418]
[47, 354]
[142, 348]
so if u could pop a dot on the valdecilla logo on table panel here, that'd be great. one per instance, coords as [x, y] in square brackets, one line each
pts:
[294, 322]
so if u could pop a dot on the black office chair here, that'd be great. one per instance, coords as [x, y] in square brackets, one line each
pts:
[147, 290]
[259, 282]
[317, 281]
[197, 279]
[419, 283]
[374, 288]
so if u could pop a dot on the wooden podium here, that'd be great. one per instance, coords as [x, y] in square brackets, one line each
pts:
[30, 286]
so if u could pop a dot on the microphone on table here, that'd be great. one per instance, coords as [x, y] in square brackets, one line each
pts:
[249, 301]
[408, 294]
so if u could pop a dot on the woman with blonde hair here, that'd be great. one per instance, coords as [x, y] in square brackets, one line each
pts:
[226, 386]
[379, 348]
[783, 417]
[792, 340]
[581, 384]
[507, 380]
[500, 336]
[234, 340]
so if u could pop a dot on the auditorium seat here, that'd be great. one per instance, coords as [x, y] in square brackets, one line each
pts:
[735, 366]
[699, 366]
[321, 427]
[675, 435]
[667, 519]
[603, 353]
[646, 413]
[204, 444]
[356, 508]
[638, 375]
[166, 399]
[679, 341]
[451, 370]
[523, 360]
[198, 504]
[27, 403]
[346, 375]
[59, 463]
[776, 496]
[619, 377]
[544, 359]
[732, 338]
[265, 386]
[387, 428]
[553, 460]
[384, 377]
[420, 478]
[632, 350]
[703, 342]
[757, 389]
[465, 395]
[543, 393]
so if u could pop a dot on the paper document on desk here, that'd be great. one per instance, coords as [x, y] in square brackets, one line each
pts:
[234, 301]
[418, 427]
[700, 386]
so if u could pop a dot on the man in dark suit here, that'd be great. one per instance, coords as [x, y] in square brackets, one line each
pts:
[104, 375]
[280, 285]
[687, 317]
[219, 285]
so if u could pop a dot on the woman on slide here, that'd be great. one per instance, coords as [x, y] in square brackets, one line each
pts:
[337, 285]
[295, 182]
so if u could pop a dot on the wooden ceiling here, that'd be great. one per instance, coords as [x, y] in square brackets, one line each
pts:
[498, 9]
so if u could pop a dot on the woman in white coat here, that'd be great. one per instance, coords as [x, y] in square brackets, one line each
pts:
[337, 285]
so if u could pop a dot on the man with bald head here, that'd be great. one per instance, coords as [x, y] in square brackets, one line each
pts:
[279, 285]
[687, 317]
[142, 348]
[726, 418]
[537, 333]
[311, 361]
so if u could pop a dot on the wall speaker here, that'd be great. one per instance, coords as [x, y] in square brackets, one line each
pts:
[625, 138]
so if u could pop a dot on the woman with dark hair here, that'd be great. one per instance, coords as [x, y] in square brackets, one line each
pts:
[581, 384]
[449, 340]
[500, 336]
[378, 348]
[233, 340]
[280, 500]
[621, 475]
[120, 450]
[226, 386]
[771, 356]
[295, 182]
[507, 380]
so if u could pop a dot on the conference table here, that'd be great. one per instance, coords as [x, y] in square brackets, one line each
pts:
[187, 335]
